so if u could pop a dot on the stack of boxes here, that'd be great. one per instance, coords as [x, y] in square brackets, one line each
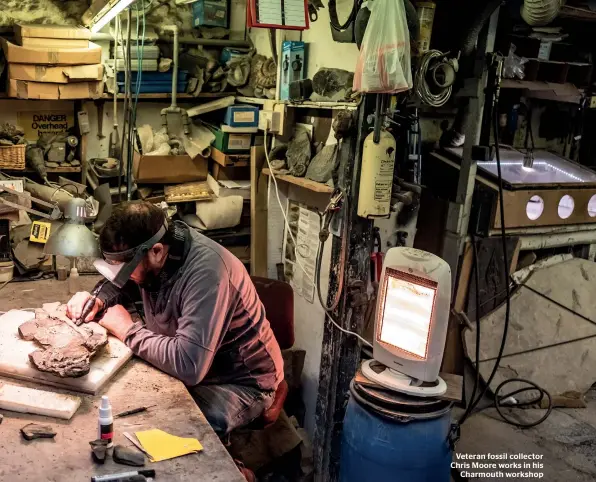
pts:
[53, 62]
[234, 137]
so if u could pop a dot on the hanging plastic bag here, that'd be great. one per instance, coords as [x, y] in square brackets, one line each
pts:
[384, 62]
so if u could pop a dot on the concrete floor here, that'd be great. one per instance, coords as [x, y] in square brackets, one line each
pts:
[566, 440]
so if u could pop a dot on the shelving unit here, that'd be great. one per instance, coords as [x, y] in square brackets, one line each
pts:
[302, 182]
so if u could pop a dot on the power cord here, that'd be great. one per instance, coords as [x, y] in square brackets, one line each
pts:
[498, 402]
[328, 314]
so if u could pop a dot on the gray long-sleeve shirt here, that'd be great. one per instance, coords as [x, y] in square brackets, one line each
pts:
[207, 324]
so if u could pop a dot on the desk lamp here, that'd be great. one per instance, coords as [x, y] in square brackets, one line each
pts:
[411, 323]
[73, 239]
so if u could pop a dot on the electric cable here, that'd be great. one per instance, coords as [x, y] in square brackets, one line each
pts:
[532, 386]
[477, 297]
[421, 86]
[328, 315]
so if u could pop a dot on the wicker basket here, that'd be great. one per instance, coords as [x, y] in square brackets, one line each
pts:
[12, 157]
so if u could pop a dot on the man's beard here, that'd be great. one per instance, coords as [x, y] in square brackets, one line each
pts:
[151, 281]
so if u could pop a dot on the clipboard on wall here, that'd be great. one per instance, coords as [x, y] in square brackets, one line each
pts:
[280, 14]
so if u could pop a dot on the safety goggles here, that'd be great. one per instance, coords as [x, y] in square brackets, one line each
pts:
[119, 266]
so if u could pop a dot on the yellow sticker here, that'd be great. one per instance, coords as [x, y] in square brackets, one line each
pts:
[40, 232]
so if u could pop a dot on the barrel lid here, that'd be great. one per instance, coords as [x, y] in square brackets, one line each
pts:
[398, 406]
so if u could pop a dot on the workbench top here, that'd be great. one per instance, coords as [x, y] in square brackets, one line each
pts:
[67, 457]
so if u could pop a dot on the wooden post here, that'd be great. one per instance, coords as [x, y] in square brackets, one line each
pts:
[341, 353]
[258, 213]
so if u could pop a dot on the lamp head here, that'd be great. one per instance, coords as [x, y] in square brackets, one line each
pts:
[73, 238]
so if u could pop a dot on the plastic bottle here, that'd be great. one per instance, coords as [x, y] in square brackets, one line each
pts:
[106, 421]
[74, 283]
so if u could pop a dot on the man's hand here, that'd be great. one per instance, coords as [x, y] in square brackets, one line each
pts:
[117, 321]
[76, 305]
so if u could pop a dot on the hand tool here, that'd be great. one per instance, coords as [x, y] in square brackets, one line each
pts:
[90, 303]
[133, 411]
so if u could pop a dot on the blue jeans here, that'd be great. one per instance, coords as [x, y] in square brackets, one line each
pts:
[227, 407]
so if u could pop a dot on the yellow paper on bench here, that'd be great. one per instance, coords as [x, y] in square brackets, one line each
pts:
[163, 446]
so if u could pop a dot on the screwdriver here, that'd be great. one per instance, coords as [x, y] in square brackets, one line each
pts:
[133, 411]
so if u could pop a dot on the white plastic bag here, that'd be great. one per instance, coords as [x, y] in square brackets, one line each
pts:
[384, 64]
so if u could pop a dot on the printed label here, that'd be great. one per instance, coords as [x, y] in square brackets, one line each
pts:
[244, 116]
[237, 141]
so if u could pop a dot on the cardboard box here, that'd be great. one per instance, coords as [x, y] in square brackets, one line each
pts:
[292, 66]
[51, 31]
[53, 43]
[31, 55]
[58, 75]
[210, 13]
[230, 160]
[221, 173]
[228, 142]
[169, 169]
[21, 89]
[241, 115]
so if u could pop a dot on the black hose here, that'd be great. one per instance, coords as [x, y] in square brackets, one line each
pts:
[469, 42]
[334, 19]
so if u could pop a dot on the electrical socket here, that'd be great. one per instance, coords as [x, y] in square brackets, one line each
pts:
[265, 117]
[270, 121]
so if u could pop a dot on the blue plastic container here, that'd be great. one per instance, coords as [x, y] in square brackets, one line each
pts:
[155, 82]
[377, 448]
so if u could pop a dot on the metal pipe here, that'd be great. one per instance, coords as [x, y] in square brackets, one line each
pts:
[378, 119]
[542, 241]
[208, 42]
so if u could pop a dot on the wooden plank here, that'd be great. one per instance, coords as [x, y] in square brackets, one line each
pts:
[302, 182]
[454, 385]
[492, 278]
[453, 356]
[230, 160]
[516, 202]
[190, 191]
[39, 402]
[210, 106]
[258, 212]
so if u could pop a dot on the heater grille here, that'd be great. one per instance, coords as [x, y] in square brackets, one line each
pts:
[404, 318]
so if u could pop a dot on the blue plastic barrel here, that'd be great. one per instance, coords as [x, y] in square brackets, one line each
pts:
[392, 446]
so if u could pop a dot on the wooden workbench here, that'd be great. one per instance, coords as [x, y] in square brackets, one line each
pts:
[68, 456]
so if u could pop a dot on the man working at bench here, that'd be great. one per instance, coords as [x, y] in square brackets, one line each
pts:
[204, 323]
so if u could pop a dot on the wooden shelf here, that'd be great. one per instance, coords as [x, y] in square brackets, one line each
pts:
[545, 90]
[157, 97]
[302, 182]
[300, 105]
[50, 170]
[180, 97]
[577, 13]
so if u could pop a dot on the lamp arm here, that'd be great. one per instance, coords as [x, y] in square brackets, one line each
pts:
[55, 213]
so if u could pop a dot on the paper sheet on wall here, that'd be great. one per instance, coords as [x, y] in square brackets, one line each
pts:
[300, 259]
